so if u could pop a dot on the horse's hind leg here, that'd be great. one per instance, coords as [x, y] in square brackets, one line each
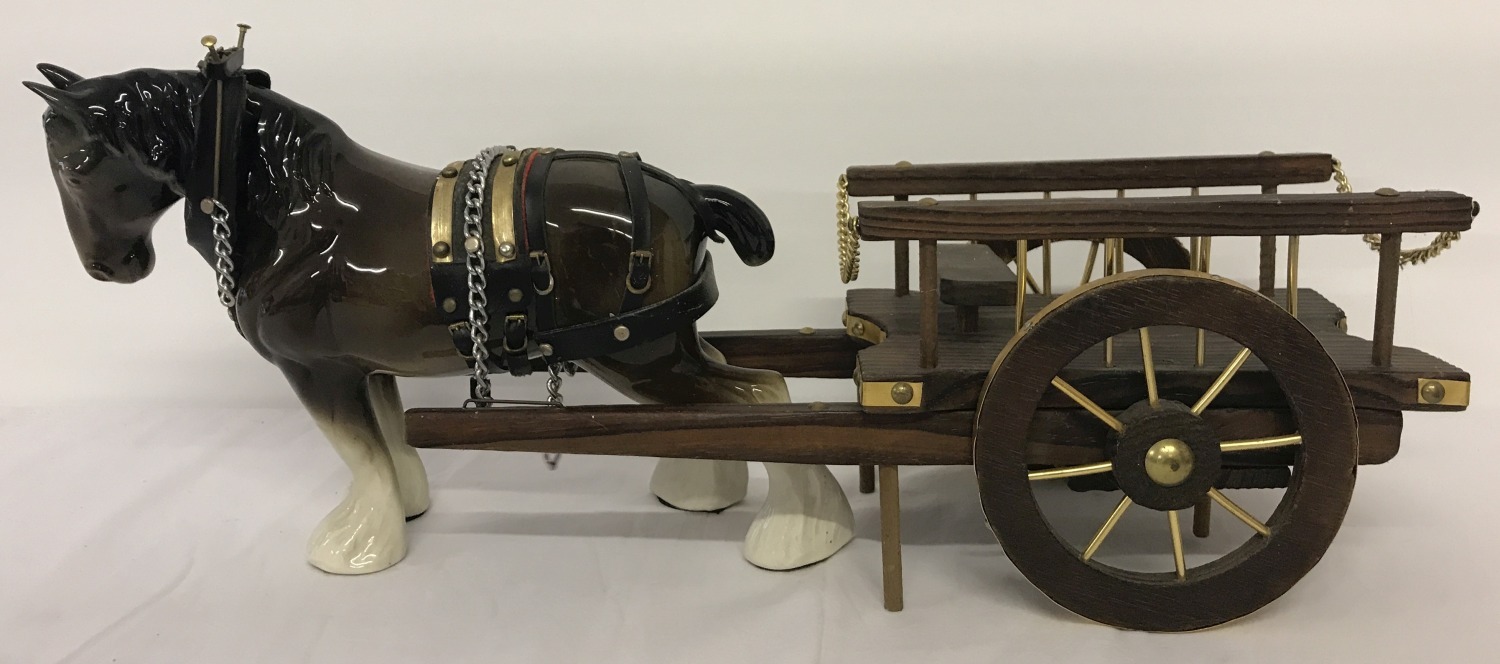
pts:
[806, 517]
[701, 485]
[367, 531]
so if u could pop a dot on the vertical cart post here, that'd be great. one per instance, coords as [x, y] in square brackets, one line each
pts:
[1385, 298]
[890, 538]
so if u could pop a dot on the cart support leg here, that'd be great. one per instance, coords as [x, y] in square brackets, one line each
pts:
[1202, 516]
[968, 318]
[866, 479]
[890, 538]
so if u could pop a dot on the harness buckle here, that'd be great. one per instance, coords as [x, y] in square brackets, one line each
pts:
[638, 279]
[541, 266]
[514, 333]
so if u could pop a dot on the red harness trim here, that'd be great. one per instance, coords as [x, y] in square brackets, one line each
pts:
[525, 219]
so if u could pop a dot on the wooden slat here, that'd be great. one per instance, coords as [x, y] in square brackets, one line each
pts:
[1168, 216]
[789, 433]
[967, 359]
[792, 353]
[1084, 175]
[836, 434]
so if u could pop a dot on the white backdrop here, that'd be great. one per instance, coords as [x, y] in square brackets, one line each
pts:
[773, 98]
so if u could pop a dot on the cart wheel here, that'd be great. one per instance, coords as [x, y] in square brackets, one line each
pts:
[1163, 456]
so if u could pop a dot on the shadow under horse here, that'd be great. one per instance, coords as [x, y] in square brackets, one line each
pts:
[332, 254]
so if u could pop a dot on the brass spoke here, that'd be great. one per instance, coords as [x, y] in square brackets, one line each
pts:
[1260, 443]
[1221, 381]
[1239, 512]
[1109, 524]
[1070, 471]
[1031, 283]
[1088, 265]
[1150, 368]
[1087, 403]
[1177, 545]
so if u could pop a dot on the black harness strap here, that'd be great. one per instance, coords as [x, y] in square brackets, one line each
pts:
[519, 278]
[611, 335]
[533, 217]
[216, 149]
[638, 275]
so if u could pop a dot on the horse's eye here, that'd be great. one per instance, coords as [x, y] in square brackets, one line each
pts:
[121, 187]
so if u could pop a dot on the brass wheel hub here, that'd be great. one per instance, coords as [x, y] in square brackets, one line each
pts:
[1166, 458]
[1169, 462]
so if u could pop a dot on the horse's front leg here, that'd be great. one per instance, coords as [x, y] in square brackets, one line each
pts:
[367, 531]
[411, 475]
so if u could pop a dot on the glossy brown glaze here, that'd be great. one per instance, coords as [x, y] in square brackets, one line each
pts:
[333, 261]
[334, 286]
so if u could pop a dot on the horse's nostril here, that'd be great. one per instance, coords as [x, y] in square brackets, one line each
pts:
[99, 270]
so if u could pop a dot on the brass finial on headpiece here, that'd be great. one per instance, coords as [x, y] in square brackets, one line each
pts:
[243, 29]
[209, 42]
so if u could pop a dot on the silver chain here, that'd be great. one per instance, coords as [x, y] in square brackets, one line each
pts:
[479, 318]
[555, 399]
[223, 252]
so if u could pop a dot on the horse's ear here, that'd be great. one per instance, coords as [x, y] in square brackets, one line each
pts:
[62, 101]
[58, 76]
[258, 78]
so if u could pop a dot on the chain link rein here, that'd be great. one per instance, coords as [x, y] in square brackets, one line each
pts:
[1439, 244]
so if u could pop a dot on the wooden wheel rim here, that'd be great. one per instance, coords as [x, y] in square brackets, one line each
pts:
[1303, 524]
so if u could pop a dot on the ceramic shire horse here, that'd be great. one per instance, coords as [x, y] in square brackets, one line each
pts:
[334, 284]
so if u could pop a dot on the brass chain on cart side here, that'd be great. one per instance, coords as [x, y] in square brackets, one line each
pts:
[1440, 243]
[848, 230]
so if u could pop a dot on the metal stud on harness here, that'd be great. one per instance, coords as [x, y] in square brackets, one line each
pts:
[479, 318]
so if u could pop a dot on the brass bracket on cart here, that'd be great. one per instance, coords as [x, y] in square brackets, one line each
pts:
[860, 328]
[891, 394]
[1440, 392]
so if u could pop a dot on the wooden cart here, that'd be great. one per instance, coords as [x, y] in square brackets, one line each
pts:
[1169, 386]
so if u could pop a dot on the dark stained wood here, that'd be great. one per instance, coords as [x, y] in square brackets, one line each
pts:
[890, 538]
[833, 434]
[1267, 255]
[866, 478]
[1267, 264]
[903, 263]
[967, 359]
[1167, 216]
[971, 274]
[1093, 174]
[928, 274]
[968, 319]
[903, 267]
[792, 353]
[1203, 517]
[785, 433]
[1385, 299]
[1242, 581]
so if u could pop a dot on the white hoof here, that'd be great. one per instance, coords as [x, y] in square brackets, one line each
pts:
[366, 533]
[411, 481]
[699, 485]
[806, 518]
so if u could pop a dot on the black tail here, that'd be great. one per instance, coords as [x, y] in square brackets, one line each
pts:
[740, 220]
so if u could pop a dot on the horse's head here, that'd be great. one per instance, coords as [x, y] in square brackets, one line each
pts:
[113, 188]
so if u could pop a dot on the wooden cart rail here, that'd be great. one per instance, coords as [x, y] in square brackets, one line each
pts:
[1265, 170]
[835, 434]
[1168, 216]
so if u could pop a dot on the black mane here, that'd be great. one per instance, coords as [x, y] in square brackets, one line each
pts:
[148, 114]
